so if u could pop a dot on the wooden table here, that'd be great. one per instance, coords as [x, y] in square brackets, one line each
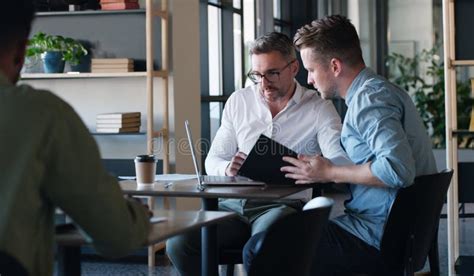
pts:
[69, 239]
[209, 200]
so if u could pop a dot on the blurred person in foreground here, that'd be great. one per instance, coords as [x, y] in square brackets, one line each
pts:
[49, 160]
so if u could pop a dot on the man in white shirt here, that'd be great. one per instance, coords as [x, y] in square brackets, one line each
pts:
[279, 107]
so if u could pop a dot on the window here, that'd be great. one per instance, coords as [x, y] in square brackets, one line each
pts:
[281, 16]
[224, 47]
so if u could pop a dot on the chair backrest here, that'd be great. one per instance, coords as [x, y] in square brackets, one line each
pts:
[290, 243]
[413, 222]
[318, 202]
[9, 266]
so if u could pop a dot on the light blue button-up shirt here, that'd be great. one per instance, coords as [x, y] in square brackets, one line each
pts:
[382, 125]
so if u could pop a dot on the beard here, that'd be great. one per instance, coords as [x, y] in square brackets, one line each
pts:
[272, 93]
[329, 95]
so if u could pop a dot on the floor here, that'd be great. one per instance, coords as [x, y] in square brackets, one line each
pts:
[94, 266]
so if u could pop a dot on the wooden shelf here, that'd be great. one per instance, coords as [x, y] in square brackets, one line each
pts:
[462, 62]
[158, 13]
[463, 132]
[117, 134]
[35, 76]
[156, 134]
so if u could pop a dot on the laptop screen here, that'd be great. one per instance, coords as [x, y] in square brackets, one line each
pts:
[193, 153]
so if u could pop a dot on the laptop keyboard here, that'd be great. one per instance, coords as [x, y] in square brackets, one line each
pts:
[217, 179]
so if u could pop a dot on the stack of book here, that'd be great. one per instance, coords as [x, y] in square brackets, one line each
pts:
[118, 122]
[119, 4]
[111, 65]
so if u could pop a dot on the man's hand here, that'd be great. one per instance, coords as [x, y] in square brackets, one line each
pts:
[235, 164]
[308, 169]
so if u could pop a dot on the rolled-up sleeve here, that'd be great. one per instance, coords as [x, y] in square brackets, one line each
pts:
[379, 123]
[224, 146]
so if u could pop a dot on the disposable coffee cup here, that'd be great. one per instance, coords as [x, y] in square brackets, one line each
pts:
[145, 169]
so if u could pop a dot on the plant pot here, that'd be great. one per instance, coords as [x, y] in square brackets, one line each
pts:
[32, 64]
[83, 66]
[53, 62]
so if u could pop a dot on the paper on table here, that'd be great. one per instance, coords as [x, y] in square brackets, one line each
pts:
[163, 177]
[158, 219]
[124, 177]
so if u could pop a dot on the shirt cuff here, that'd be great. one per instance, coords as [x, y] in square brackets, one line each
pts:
[379, 170]
[217, 167]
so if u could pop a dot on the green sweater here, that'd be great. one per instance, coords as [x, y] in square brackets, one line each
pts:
[48, 159]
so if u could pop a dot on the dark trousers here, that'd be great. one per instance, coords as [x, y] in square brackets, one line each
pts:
[338, 253]
[256, 216]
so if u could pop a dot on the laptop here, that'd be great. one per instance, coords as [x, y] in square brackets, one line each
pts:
[214, 180]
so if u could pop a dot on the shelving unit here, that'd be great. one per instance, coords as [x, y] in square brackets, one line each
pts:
[452, 131]
[74, 75]
[88, 12]
[150, 12]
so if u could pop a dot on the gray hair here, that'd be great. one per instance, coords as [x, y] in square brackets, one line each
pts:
[274, 41]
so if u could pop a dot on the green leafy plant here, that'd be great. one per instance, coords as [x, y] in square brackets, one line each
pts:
[429, 95]
[71, 49]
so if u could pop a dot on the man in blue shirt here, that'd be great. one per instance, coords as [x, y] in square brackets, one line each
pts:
[382, 134]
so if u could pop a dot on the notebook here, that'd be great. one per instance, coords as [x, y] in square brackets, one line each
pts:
[265, 160]
[214, 180]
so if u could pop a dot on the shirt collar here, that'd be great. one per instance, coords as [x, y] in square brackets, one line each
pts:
[298, 95]
[363, 75]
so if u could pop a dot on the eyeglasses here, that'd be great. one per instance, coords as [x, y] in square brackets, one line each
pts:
[271, 76]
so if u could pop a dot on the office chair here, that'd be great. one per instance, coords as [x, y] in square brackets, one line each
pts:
[411, 231]
[232, 256]
[9, 266]
[290, 243]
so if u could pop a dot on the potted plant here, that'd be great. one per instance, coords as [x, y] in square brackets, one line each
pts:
[55, 50]
[429, 95]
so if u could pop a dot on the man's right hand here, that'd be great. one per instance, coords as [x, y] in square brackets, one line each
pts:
[235, 164]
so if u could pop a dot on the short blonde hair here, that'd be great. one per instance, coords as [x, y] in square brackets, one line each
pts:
[331, 37]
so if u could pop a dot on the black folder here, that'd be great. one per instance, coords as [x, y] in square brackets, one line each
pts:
[264, 161]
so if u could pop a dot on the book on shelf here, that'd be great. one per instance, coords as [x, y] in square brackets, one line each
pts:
[132, 120]
[126, 61]
[118, 115]
[117, 125]
[112, 70]
[118, 1]
[119, 6]
[118, 129]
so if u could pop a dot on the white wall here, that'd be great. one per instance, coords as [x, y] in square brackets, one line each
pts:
[362, 15]
[185, 78]
[410, 26]
[411, 20]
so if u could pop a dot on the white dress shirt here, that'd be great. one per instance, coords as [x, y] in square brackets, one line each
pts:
[307, 125]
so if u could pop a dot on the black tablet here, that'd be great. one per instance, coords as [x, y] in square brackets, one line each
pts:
[264, 161]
